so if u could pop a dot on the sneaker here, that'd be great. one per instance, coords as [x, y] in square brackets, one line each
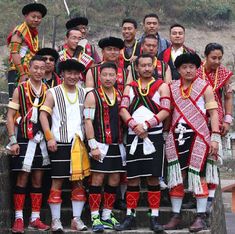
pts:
[56, 226]
[154, 225]
[97, 225]
[129, 223]
[78, 225]
[38, 225]
[18, 226]
[163, 185]
[110, 223]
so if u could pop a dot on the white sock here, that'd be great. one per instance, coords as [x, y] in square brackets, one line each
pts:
[176, 204]
[55, 210]
[123, 190]
[211, 193]
[106, 214]
[129, 212]
[77, 208]
[155, 212]
[19, 214]
[94, 213]
[34, 216]
[201, 205]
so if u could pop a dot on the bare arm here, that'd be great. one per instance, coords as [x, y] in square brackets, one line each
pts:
[89, 79]
[129, 76]
[168, 77]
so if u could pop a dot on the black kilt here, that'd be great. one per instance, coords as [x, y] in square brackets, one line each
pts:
[60, 161]
[184, 151]
[17, 161]
[140, 165]
[112, 163]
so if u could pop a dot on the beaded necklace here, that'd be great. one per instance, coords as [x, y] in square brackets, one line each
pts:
[109, 103]
[147, 87]
[66, 95]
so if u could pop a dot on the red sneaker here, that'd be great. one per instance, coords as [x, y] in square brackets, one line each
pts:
[38, 225]
[18, 226]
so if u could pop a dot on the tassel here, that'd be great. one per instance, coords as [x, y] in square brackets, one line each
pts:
[174, 174]
[194, 181]
[212, 176]
[34, 117]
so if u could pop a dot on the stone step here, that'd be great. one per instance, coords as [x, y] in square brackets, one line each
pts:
[142, 217]
[3, 110]
[4, 97]
[138, 231]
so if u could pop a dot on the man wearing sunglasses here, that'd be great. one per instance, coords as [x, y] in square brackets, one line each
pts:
[51, 56]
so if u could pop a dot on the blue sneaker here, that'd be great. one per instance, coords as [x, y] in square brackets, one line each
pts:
[110, 223]
[97, 225]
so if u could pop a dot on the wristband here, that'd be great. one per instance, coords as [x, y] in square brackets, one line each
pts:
[13, 140]
[216, 137]
[48, 135]
[228, 119]
[131, 123]
[153, 122]
[92, 143]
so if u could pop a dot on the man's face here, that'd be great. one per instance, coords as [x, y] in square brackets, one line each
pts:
[108, 77]
[50, 63]
[111, 53]
[70, 78]
[149, 46]
[37, 70]
[73, 38]
[151, 26]
[33, 19]
[128, 31]
[83, 29]
[145, 68]
[213, 59]
[177, 36]
[187, 71]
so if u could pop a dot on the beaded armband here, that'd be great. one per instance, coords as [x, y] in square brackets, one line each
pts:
[211, 105]
[165, 103]
[14, 106]
[46, 109]
[125, 103]
[89, 113]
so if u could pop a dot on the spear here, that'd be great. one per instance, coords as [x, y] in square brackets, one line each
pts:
[67, 8]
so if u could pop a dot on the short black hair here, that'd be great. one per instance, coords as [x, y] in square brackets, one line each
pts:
[213, 46]
[108, 65]
[177, 25]
[149, 36]
[142, 56]
[71, 29]
[37, 58]
[130, 20]
[151, 15]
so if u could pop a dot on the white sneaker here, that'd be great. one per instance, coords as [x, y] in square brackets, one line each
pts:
[78, 225]
[56, 225]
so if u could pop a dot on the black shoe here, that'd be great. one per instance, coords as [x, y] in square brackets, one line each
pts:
[120, 204]
[190, 204]
[129, 223]
[154, 225]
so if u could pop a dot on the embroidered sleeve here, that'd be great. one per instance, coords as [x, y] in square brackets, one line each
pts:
[165, 103]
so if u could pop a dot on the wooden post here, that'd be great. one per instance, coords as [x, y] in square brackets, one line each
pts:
[233, 200]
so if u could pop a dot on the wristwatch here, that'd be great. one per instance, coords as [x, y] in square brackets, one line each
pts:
[145, 126]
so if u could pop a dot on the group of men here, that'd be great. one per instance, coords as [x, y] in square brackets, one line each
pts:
[147, 105]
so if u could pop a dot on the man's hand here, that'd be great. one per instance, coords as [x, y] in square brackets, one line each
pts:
[139, 130]
[214, 148]
[95, 153]
[52, 145]
[15, 149]
[225, 128]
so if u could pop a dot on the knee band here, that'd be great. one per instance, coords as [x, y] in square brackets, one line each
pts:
[78, 194]
[55, 196]
[177, 191]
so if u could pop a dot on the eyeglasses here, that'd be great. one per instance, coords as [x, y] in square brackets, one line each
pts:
[51, 59]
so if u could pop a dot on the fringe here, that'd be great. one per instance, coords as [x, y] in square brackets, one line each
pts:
[174, 174]
[194, 181]
[212, 176]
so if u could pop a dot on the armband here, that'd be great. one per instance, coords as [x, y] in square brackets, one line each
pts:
[46, 109]
[92, 144]
[14, 106]
[48, 135]
[15, 47]
[216, 137]
[211, 105]
[89, 113]
[165, 103]
[125, 103]
[228, 119]
[88, 89]
[131, 123]
[13, 140]
[153, 122]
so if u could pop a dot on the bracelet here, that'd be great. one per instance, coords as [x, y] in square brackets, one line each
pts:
[13, 140]
[228, 118]
[153, 122]
[131, 123]
[48, 135]
[92, 143]
[216, 137]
